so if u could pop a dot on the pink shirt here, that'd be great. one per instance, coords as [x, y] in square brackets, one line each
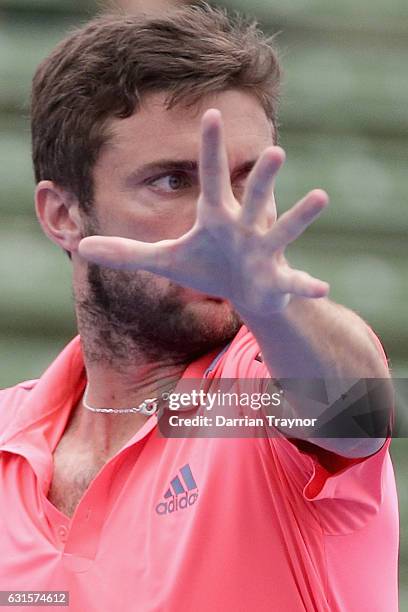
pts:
[193, 524]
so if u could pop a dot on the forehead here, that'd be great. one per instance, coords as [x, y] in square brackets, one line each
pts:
[155, 131]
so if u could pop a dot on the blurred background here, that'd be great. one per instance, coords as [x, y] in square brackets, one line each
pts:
[344, 125]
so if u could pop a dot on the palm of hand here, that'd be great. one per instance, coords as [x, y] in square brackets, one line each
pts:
[232, 251]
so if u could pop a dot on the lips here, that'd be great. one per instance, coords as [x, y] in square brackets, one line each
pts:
[215, 299]
[198, 296]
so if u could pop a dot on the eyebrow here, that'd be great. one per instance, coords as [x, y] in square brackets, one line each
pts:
[171, 165]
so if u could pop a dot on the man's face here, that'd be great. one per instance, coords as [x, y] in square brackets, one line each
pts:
[146, 187]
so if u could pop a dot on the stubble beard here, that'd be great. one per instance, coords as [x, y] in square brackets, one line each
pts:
[125, 316]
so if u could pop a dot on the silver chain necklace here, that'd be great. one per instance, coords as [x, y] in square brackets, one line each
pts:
[147, 407]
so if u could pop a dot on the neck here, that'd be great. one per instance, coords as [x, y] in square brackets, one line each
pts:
[105, 433]
[128, 387]
[135, 350]
[117, 379]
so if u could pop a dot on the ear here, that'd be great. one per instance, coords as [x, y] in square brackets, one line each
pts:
[58, 213]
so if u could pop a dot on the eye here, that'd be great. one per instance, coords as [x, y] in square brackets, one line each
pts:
[240, 181]
[171, 182]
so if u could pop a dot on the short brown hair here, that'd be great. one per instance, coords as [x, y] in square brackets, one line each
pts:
[103, 69]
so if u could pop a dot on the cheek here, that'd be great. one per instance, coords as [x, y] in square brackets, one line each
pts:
[167, 221]
[154, 284]
[144, 216]
[177, 224]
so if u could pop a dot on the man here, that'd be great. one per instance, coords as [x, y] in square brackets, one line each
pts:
[153, 138]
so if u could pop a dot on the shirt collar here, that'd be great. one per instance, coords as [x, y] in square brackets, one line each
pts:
[45, 409]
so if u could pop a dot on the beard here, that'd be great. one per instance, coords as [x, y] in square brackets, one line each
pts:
[123, 316]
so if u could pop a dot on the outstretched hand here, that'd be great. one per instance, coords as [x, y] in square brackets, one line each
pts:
[235, 250]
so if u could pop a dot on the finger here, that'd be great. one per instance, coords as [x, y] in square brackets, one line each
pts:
[271, 213]
[126, 254]
[294, 222]
[214, 169]
[302, 284]
[258, 196]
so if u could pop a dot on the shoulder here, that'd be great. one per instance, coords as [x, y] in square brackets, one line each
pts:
[243, 358]
[19, 388]
[12, 398]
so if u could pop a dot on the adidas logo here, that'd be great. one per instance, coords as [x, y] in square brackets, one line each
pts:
[179, 496]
